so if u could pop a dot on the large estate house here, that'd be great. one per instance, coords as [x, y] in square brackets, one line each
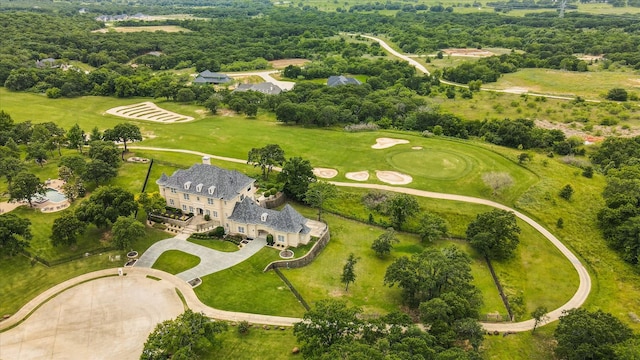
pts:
[228, 198]
[208, 77]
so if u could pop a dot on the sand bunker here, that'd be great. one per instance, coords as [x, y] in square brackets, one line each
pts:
[325, 173]
[468, 52]
[357, 176]
[383, 143]
[416, 148]
[393, 177]
[148, 111]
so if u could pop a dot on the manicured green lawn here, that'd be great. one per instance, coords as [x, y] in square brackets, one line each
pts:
[215, 244]
[175, 262]
[246, 288]
[257, 344]
[234, 137]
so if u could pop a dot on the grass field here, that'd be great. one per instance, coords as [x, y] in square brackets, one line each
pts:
[219, 245]
[246, 288]
[258, 343]
[175, 262]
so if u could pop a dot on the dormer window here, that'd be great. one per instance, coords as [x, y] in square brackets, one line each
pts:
[199, 187]
[187, 185]
[263, 217]
[211, 190]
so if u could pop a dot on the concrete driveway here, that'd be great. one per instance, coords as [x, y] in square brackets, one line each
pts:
[107, 318]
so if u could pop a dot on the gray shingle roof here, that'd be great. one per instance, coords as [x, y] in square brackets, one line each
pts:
[265, 88]
[342, 80]
[228, 184]
[211, 77]
[287, 220]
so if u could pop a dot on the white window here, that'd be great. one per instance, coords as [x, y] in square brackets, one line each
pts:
[199, 187]
[281, 238]
[241, 229]
[211, 190]
[215, 214]
[186, 196]
[173, 191]
[210, 201]
[184, 207]
[171, 202]
[207, 212]
[191, 209]
[263, 217]
[187, 185]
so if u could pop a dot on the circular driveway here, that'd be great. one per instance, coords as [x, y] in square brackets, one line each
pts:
[106, 318]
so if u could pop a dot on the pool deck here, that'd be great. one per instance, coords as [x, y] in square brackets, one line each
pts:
[46, 207]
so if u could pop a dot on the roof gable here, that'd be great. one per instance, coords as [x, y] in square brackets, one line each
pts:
[288, 220]
[207, 180]
[342, 80]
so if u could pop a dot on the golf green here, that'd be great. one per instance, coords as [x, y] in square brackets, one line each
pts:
[431, 163]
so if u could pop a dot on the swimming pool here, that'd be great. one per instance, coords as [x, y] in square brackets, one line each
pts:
[55, 196]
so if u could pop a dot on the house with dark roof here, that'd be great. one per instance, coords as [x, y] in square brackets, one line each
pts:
[342, 80]
[208, 77]
[266, 88]
[228, 198]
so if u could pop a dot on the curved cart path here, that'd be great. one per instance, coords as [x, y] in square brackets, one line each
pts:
[580, 296]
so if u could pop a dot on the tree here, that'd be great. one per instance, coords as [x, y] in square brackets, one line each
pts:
[383, 244]
[432, 227]
[433, 273]
[589, 335]
[66, 229]
[25, 186]
[75, 136]
[494, 234]
[10, 167]
[105, 205]
[152, 204]
[266, 157]
[36, 151]
[14, 233]
[99, 172]
[185, 95]
[617, 94]
[497, 181]
[318, 193]
[126, 230]
[401, 207]
[123, 132]
[76, 163]
[296, 175]
[348, 271]
[95, 134]
[566, 192]
[106, 151]
[189, 336]
[330, 322]
[73, 189]
[539, 316]
[212, 104]
[588, 172]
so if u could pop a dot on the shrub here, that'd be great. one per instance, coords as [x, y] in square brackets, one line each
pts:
[362, 127]
[588, 172]
[159, 226]
[207, 217]
[218, 232]
[566, 192]
[375, 200]
[270, 240]
[243, 327]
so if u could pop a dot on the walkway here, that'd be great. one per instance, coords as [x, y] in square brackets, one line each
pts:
[211, 261]
[581, 294]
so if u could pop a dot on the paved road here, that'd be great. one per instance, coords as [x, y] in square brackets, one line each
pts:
[100, 315]
[211, 261]
[578, 298]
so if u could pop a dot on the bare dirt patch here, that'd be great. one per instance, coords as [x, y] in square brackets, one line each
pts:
[325, 173]
[283, 63]
[468, 52]
[589, 57]
[416, 148]
[357, 176]
[130, 29]
[148, 111]
[393, 177]
[598, 133]
[383, 143]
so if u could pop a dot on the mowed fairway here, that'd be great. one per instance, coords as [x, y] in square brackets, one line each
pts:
[333, 148]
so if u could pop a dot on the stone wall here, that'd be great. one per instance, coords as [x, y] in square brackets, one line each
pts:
[307, 258]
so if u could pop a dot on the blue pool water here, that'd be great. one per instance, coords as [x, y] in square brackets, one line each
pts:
[55, 196]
